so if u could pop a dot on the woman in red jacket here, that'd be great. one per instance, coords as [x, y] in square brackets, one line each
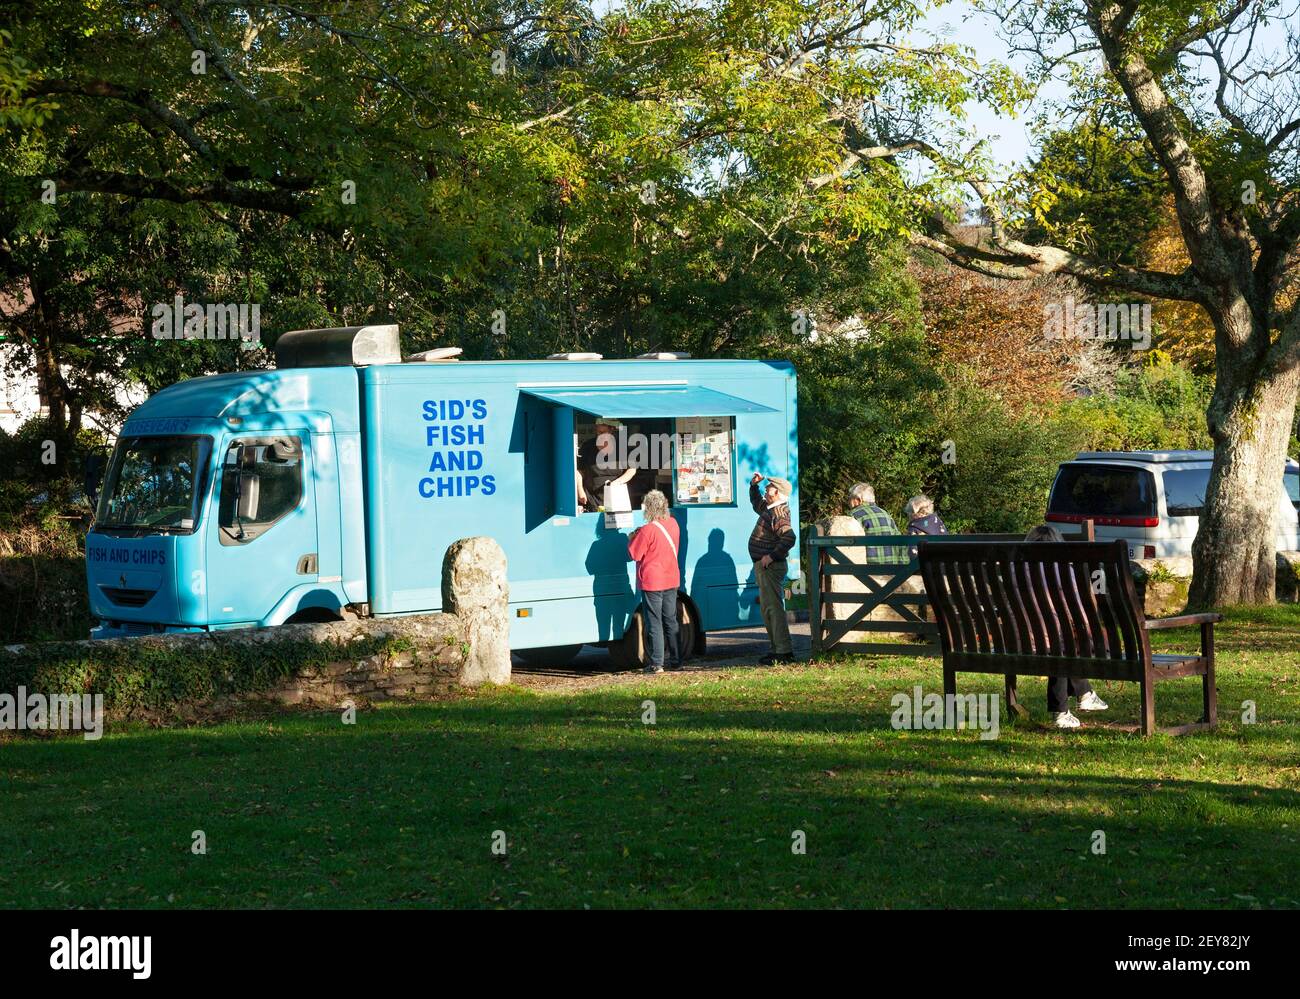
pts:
[654, 548]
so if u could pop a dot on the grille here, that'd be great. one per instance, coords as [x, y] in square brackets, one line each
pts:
[128, 598]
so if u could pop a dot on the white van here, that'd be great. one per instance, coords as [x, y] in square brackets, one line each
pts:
[1153, 499]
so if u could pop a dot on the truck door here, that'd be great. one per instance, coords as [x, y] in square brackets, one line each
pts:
[262, 543]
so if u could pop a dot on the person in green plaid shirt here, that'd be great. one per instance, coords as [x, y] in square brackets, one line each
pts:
[875, 520]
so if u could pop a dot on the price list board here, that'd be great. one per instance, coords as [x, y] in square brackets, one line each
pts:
[704, 460]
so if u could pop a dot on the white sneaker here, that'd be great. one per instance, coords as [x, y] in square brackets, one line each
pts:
[1063, 719]
[1091, 702]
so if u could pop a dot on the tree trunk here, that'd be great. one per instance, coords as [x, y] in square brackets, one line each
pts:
[1234, 556]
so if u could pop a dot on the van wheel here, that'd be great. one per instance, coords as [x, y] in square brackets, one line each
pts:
[632, 651]
[553, 655]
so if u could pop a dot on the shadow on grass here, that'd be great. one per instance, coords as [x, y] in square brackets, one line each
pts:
[600, 809]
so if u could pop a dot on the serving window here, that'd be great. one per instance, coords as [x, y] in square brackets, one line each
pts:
[690, 459]
[638, 452]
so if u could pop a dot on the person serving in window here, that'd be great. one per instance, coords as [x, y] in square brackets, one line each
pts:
[600, 464]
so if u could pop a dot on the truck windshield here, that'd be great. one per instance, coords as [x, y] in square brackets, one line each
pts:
[153, 485]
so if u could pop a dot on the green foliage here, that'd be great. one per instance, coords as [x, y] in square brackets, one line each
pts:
[1004, 463]
[24, 455]
[863, 416]
[1157, 406]
[1094, 188]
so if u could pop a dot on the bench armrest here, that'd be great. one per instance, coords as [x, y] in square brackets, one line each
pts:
[1182, 621]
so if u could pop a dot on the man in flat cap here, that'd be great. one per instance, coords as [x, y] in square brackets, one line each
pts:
[769, 544]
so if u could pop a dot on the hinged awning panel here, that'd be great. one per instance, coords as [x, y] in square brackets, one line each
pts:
[646, 401]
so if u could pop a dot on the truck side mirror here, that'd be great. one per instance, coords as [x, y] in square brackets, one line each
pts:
[93, 475]
[250, 486]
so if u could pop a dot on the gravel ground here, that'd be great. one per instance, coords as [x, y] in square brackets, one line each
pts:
[593, 668]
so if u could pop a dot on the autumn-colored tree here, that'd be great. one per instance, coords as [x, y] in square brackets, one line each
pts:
[997, 329]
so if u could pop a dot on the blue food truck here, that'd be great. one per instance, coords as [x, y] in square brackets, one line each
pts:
[332, 486]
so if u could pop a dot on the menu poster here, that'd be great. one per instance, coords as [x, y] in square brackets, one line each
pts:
[704, 460]
[618, 506]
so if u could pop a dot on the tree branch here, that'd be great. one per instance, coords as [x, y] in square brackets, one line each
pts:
[1211, 255]
[857, 156]
[1022, 261]
[1198, 31]
[279, 202]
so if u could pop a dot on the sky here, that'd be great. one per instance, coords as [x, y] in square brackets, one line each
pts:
[1009, 140]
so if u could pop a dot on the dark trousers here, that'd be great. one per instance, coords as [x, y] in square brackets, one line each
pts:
[1061, 688]
[661, 624]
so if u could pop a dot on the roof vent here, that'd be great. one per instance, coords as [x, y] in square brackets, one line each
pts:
[663, 355]
[435, 355]
[575, 355]
[355, 345]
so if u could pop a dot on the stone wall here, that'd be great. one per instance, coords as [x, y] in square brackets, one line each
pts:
[180, 677]
[1163, 583]
[427, 655]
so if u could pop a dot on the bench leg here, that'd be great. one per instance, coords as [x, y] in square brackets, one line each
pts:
[1209, 697]
[949, 682]
[1014, 707]
[1148, 705]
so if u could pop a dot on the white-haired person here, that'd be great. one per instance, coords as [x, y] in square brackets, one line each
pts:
[875, 520]
[921, 518]
[1061, 688]
[654, 547]
[769, 544]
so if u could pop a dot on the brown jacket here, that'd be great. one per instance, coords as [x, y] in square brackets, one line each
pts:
[772, 535]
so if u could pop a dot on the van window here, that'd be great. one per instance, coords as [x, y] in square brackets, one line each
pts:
[1185, 491]
[1292, 480]
[1096, 490]
[261, 482]
[154, 485]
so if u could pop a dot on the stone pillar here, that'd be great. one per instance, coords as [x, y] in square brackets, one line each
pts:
[474, 588]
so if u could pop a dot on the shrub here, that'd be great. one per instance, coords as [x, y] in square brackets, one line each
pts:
[1159, 405]
[1004, 462]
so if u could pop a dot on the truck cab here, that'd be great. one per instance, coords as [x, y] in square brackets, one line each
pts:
[222, 506]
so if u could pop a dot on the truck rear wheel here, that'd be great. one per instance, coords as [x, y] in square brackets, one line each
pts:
[632, 651]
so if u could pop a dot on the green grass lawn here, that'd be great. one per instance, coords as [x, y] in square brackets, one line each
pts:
[600, 809]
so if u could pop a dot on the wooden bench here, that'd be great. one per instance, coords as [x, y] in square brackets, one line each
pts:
[1055, 609]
